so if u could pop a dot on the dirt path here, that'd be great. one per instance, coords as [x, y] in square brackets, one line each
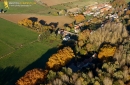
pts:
[17, 17]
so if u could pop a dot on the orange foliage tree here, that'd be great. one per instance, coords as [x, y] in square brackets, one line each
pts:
[60, 59]
[79, 18]
[33, 77]
[106, 51]
[128, 12]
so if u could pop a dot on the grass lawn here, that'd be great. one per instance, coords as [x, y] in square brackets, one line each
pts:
[15, 35]
[59, 7]
[80, 4]
[5, 49]
[29, 56]
[127, 0]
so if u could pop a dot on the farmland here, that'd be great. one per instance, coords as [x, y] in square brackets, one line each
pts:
[34, 8]
[12, 37]
[47, 4]
[78, 3]
[19, 48]
[60, 19]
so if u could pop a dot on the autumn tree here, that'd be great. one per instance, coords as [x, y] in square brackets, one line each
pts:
[82, 40]
[33, 77]
[79, 18]
[26, 22]
[95, 20]
[90, 47]
[59, 59]
[111, 32]
[64, 77]
[37, 26]
[116, 3]
[109, 74]
[84, 35]
[128, 12]
[83, 45]
[106, 51]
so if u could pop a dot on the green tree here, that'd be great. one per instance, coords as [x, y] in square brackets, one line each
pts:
[51, 75]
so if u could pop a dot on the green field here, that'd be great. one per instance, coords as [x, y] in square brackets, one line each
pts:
[15, 35]
[80, 4]
[29, 56]
[33, 9]
[5, 49]
[44, 10]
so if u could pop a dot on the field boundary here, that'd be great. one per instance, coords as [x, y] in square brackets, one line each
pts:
[61, 19]
[6, 44]
[19, 47]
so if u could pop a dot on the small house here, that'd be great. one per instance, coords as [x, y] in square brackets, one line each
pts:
[77, 28]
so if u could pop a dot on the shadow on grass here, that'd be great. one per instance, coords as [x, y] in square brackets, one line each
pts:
[39, 63]
[8, 75]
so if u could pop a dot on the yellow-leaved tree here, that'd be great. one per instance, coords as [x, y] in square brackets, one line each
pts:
[106, 51]
[26, 22]
[60, 59]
